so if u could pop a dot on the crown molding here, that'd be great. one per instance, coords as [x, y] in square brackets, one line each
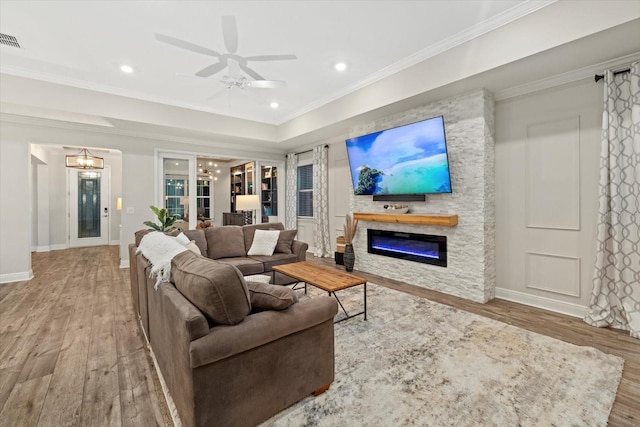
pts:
[477, 30]
[112, 90]
[80, 127]
[564, 78]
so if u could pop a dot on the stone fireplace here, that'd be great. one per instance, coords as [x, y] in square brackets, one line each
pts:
[470, 251]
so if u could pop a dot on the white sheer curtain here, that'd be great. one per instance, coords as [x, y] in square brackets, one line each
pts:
[615, 300]
[291, 195]
[322, 240]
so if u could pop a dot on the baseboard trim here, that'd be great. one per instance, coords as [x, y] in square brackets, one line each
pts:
[114, 242]
[44, 248]
[16, 277]
[124, 263]
[567, 308]
[60, 246]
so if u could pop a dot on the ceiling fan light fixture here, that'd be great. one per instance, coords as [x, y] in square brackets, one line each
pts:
[84, 160]
[274, 105]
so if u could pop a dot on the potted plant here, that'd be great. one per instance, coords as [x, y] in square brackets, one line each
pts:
[166, 221]
[350, 229]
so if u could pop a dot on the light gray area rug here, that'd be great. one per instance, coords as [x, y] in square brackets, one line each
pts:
[416, 362]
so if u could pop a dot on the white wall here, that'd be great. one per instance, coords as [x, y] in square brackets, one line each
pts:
[547, 159]
[15, 218]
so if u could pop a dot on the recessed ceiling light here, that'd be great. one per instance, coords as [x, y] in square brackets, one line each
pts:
[274, 105]
[177, 164]
[126, 69]
[340, 66]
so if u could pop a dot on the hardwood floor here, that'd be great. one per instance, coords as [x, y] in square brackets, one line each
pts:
[71, 351]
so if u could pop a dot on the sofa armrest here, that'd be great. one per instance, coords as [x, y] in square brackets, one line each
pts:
[181, 314]
[300, 249]
[261, 328]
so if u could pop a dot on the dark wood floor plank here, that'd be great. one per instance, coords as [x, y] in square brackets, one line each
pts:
[101, 398]
[63, 403]
[25, 402]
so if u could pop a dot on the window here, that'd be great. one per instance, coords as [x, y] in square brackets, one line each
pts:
[176, 196]
[203, 198]
[305, 190]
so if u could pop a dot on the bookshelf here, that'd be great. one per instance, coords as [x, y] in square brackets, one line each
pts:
[269, 191]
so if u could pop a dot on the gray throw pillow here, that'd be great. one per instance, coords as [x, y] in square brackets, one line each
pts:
[217, 289]
[225, 242]
[285, 241]
[270, 297]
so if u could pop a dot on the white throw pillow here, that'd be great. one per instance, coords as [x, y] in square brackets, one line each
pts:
[264, 242]
[193, 247]
[182, 239]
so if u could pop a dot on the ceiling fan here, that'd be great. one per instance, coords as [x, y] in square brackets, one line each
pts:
[230, 60]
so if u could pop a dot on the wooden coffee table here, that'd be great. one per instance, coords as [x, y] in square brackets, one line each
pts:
[325, 278]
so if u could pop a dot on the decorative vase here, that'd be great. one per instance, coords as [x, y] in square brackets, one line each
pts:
[349, 257]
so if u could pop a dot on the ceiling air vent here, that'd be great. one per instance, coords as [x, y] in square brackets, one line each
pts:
[8, 40]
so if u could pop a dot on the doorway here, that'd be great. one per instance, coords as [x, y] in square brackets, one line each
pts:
[89, 210]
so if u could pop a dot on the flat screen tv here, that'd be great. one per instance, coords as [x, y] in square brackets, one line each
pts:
[409, 159]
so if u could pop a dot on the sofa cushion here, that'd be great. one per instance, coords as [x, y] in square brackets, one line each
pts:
[275, 259]
[249, 231]
[199, 238]
[285, 240]
[264, 242]
[270, 297]
[225, 242]
[247, 266]
[218, 290]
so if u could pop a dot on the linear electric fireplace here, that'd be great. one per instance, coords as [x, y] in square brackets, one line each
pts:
[423, 248]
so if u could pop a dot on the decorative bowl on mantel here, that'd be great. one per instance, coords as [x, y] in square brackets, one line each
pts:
[396, 209]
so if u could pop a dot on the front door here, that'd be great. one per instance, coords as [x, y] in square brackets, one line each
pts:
[88, 207]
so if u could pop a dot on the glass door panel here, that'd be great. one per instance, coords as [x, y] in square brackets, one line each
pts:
[88, 207]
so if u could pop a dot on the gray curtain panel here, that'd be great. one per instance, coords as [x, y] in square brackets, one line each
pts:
[615, 300]
[322, 240]
[291, 199]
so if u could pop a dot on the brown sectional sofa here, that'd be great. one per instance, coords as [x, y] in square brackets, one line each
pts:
[247, 369]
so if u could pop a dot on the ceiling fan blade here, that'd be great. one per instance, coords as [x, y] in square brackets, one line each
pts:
[251, 73]
[270, 57]
[211, 69]
[186, 45]
[267, 84]
[230, 33]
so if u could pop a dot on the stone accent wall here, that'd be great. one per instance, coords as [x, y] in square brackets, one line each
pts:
[469, 128]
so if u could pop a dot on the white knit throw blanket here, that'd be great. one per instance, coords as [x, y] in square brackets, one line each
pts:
[160, 249]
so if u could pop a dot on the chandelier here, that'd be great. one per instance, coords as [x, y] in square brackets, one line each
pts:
[84, 160]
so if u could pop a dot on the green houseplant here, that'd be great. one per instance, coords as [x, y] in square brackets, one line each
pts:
[166, 221]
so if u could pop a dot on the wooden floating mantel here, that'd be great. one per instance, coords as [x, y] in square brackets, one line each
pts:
[420, 219]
